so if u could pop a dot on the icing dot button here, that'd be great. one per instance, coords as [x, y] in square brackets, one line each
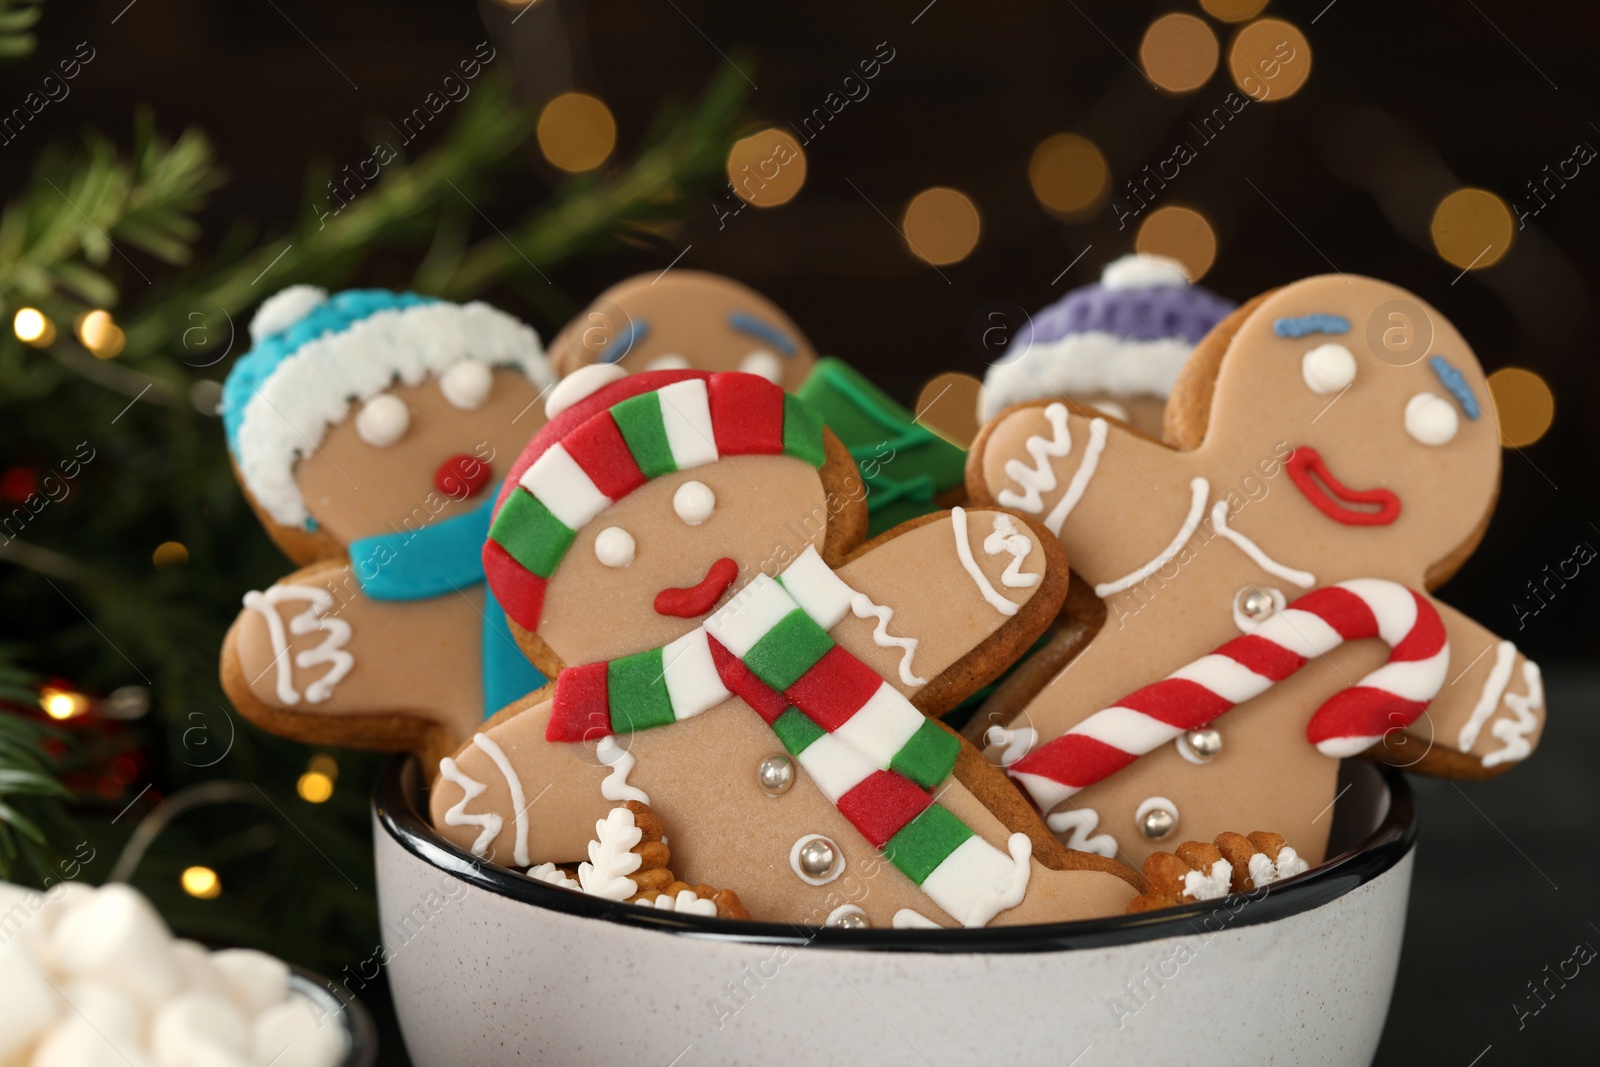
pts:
[816, 860]
[467, 384]
[694, 502]
[776, 774]
[1328, 368]
[1200, 746]
[1431, 419]
[383, 420]
[614, 547]
[1157, 818]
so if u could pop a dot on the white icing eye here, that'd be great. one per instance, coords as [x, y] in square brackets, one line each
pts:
[1431, 419]
[467, 384]
[671, 361]
[1328, 368]
[694, 502]
[383, 420]
[614, 547]
[763, 363]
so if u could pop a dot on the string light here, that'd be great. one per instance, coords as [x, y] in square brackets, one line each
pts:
[170, 554]
[1524, 404]
[62, 704]
[316, 785]
[767, 168]
[100, 334]
[1180, 233]
[33, 327]
[1472, 229]
[1270, 59]
[201, 883]
[1179, 53]
[576, 132]
[941, 225]
[1068, 174]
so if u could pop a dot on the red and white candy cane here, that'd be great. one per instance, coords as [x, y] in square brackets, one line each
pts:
[1391, 697]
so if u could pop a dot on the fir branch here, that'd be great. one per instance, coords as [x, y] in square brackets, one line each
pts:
[17, 17]
[31, 794]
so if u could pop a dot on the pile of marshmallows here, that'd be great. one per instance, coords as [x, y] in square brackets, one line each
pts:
[93, 976]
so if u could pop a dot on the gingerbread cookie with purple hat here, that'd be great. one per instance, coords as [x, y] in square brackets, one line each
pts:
[685, 319]
[368, 429]
[1265, 579]
[1116, 345]
[681, 551]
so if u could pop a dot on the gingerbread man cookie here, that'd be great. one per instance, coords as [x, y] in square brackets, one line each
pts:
[680, 550]
[368, 429]
[1335, 455]
[1116, 346]
[685, 318]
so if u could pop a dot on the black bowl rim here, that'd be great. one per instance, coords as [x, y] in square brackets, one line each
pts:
[1395, 836]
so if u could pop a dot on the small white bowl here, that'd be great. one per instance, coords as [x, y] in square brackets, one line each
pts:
[488, 967]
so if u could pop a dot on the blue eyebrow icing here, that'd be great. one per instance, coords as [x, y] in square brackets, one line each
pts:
[633, 332]
[1300, 325]
[1453, 380]
[765, 330]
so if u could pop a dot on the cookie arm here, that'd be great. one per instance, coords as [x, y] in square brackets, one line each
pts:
[1486, 719]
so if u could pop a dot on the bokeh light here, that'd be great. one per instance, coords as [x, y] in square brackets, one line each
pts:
[314, 787]
[1179, 53]
[33, 327]
[941, 225]
[1233, 10]
[170, 554]
[201, 883]
[62, 704]
[948, 405]
[1068, 174]
[767, 168]
[1270, 59]
[100, 334]
[1523, 403]
[1472, 229]
[1180, 233]
[576, 132]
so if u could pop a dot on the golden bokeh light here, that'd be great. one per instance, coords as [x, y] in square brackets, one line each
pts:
[576, 132]
[1233, 10]
[201, 883]
[1472, 229]
[322, 763]
[170, 554]
[62, 704]
[767, 168]
[1179, 53]
[1523, 403]
[1180, 233]
[100, 334]
[948, 405]
[33, 327]
[1270, 59]
[314, 787]
[1068, 174]
[941, 225]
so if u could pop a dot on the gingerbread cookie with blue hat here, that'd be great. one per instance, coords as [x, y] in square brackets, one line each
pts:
[1116, 345]
[682, 551]
[369, 430]
[1265, 580]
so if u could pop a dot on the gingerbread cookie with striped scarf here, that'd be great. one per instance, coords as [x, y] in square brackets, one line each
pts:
[1333, 455]
[680, 551]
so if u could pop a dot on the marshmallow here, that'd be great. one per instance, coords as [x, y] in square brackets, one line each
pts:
[291, 1034]
[29, 1005]
[200, 1030]
[76, 1043]
[197, 972]
[256, 979]
[116, 934]
[107, 1007]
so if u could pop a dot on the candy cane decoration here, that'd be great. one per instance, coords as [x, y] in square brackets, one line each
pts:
[1391, 697]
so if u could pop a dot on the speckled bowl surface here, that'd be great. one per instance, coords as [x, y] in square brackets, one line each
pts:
[488, 967]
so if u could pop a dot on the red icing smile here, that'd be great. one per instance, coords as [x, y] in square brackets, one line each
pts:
[698, 599]
[1333, 498]
[461, 476]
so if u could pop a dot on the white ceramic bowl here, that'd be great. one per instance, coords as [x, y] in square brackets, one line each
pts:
[488, 967]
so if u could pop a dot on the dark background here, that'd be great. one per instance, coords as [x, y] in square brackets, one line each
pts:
[1405, 103]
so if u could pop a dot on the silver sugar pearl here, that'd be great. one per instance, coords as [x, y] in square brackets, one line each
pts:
[1158, 823]
[1255, 603]
[818, 857]
[851, 921]
[1203, 745]
[776, 774]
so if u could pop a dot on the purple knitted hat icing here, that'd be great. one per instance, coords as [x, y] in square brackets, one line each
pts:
[1151, 303]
